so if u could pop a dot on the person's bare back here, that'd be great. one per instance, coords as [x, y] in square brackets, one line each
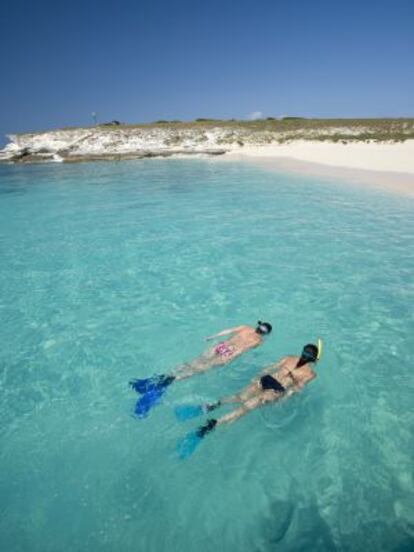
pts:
[290, 376]
[243, 339]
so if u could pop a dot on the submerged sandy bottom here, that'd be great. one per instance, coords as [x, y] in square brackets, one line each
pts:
[385, 166]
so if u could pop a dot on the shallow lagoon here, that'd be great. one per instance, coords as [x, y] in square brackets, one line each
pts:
[110, 271]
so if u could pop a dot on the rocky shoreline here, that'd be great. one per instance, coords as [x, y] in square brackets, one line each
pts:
[102, 144]
[26, 156]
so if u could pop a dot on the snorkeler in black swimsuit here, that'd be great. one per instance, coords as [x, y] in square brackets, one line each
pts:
[254, 395]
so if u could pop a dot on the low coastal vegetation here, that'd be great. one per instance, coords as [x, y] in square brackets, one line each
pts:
[289, 128]
[301, 128]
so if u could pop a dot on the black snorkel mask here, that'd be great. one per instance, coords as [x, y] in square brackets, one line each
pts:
[263, 328]
[310, 353]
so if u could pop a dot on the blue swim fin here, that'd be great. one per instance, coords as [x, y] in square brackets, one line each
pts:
[147, 401]
[187, 411]
[149, 384]
[152, 390]
[190, 442]
[142, 385]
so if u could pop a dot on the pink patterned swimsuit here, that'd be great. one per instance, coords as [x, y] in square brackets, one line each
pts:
[222, 349]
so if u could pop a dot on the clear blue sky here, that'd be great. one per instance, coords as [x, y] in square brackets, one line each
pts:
[141, 60]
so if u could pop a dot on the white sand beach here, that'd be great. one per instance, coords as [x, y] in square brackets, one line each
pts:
[385, 165]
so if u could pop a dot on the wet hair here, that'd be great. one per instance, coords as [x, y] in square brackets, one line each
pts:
[309, 354]
[263, 328]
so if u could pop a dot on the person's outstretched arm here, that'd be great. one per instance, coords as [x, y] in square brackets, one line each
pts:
[225, 332]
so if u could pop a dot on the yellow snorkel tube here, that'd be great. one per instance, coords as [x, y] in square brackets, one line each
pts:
[320, 347]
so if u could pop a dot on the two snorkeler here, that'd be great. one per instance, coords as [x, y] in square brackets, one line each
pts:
[276, 382]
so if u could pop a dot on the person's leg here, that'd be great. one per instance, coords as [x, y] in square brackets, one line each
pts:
[244, 395]
[247, 393]
[259, 399]
[246, 407]
[196, 366]
[187, 370]
[193, 439]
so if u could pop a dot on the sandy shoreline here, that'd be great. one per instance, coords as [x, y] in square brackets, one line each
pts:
[388, 166]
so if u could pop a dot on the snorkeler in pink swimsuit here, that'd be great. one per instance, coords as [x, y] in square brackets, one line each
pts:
[242, 339]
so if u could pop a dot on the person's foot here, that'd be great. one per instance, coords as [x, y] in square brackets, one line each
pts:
[206, 428]
[210, 406]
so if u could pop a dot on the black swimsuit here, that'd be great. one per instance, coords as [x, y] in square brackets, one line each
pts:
[269, 382]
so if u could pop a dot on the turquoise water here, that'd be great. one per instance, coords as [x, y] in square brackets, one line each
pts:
[110, 271]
